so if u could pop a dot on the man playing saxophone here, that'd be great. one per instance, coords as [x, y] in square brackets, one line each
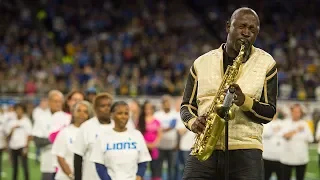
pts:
[256, 91]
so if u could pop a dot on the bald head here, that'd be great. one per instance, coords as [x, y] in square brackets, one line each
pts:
[244, 24]
[242, 11]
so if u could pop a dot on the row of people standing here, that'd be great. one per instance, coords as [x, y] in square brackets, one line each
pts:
[72, 137]
[286, 145]
[162, 131]
[159, 129]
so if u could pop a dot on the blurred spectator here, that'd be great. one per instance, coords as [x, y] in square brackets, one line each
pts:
[91, 94]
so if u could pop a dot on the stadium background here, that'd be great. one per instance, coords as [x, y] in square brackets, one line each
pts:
[142, 49]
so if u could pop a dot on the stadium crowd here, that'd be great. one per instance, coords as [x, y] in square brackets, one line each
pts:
[127, 49]
[144, 48]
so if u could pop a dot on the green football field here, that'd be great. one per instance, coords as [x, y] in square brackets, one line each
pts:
[312, 173]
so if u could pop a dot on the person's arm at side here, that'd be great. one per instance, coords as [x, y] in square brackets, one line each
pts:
[79, 149]
[37, 133]
[41, 142]
[77, 166]
[142, 167]
[144, 157]
[263, 110]
[102, 171]
[97, 157]
[65, 167]
[59, 149]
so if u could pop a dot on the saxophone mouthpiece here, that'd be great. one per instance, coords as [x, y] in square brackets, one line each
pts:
[245, 43]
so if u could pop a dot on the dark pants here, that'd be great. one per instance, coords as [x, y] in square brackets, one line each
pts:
[1, 150]
[170, 157]
[15, 154]
[300, 171]
[243, 165]
[155, 167]
[181, 161]
[48, 176]
[270, 167]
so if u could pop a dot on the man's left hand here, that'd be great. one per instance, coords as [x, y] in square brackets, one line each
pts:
[138, 178]
[239, 96]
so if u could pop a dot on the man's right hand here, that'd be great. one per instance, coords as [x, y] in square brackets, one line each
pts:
[199, 125]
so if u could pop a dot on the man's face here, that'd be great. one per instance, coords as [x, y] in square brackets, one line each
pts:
[244, 25]
[55, 103]
[103, 107]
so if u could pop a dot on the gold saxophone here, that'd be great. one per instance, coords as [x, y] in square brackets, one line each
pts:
[206, 141]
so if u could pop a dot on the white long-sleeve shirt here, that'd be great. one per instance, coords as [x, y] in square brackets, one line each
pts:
[272, 140]
[318, 136]
[295, 151]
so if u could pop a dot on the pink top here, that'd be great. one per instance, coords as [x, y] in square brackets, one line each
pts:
[151, 135]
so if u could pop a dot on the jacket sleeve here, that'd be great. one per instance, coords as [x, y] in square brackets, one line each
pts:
[263, 110]
[189, 107]
[77, 165]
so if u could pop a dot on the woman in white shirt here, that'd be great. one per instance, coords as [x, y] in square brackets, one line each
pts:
[120, 154]
[88, 133]
[318, 140]
[296, 138]
[19, 136]
[272, 147]
[62, 146]
[63, 118]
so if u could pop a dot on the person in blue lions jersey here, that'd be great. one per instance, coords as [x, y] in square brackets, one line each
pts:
[121, 154]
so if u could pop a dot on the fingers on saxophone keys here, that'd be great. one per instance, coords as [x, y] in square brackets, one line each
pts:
[235, 98]
[201, 124]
